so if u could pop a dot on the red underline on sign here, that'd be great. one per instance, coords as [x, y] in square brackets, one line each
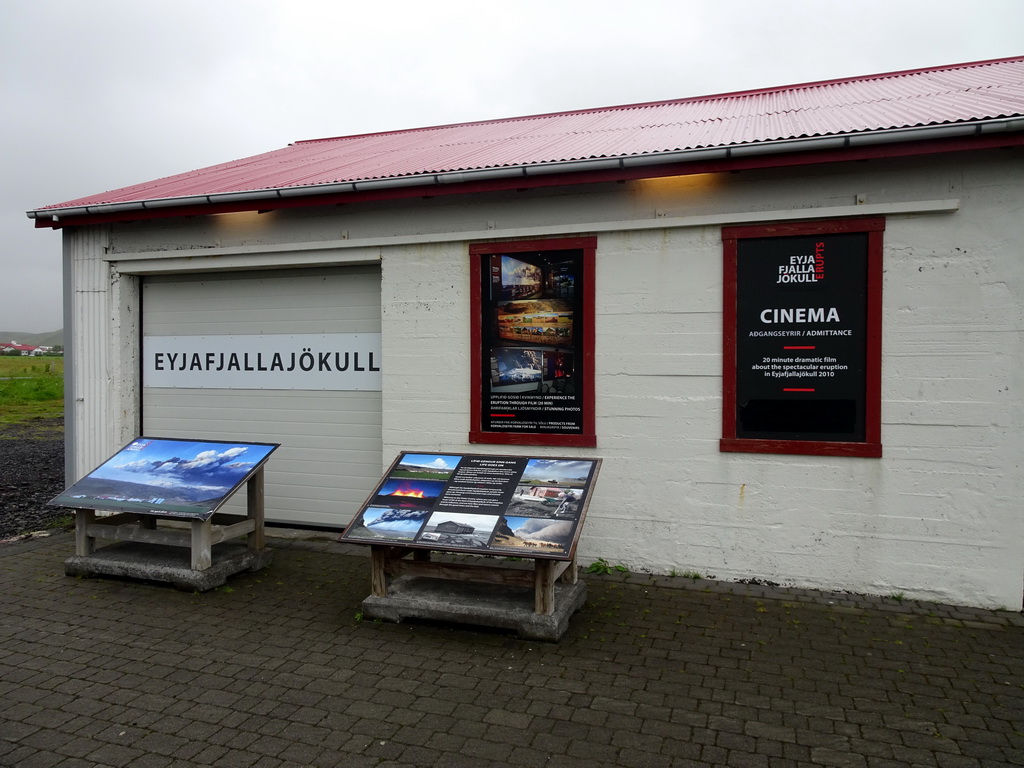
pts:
[799, 347]
[797, 389]
[503, 415]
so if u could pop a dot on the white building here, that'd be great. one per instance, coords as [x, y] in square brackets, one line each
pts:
[790, 321]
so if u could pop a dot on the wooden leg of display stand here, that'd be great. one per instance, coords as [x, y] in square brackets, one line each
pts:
[84, 543]
[570, 575]
[254, 497]
[202, 557]
[544, 587]
[378, 574]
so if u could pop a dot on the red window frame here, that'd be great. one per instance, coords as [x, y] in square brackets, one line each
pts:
[587, 437]
[871, 446]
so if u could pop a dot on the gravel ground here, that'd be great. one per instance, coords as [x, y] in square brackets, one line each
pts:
[31, 473]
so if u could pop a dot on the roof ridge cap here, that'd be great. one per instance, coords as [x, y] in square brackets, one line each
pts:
[683, 100]
[856, 78]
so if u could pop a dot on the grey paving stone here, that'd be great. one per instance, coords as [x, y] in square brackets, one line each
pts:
[653, 672]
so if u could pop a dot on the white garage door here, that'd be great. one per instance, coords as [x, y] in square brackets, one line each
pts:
[330, 454]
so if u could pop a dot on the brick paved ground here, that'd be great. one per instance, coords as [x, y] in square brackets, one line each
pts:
[276, 671]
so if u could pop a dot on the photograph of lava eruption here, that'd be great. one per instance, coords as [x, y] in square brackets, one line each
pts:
[408, 492]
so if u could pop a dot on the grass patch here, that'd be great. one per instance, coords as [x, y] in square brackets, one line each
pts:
[21, 365]
[63, 523]
[31, 388]
[604, 567]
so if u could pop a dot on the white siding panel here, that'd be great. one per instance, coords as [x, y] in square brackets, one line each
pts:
[100, 388]
[330, 456]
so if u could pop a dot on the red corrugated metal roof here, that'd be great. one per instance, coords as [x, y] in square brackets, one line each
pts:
[928, 97]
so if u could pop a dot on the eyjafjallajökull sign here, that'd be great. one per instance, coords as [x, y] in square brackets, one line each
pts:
[334, 361]
[487, 504]
[802, 330]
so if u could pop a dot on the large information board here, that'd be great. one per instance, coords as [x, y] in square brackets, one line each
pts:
[486, 504]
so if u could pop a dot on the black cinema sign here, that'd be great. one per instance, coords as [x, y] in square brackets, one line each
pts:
[805, 337]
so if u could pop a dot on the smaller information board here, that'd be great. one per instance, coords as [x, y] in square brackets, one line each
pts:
[168, 476]
[482, 503]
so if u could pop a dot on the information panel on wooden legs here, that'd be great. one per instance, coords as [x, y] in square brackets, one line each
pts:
[169, 477]
[486, 504]
[177, 481]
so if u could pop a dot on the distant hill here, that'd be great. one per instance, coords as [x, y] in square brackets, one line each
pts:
[49, 339]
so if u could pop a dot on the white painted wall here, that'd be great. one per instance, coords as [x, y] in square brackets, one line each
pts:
[101, 393]
[939, 516]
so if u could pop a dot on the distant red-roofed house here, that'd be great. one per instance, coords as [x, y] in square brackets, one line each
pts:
[789, 321]
[13, 346]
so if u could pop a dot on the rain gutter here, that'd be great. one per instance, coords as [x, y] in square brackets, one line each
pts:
[631, 162]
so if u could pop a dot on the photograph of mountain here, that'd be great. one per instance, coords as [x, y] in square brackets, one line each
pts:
[167, 476]
[423, 466]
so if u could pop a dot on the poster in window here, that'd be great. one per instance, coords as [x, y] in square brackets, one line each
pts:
[533, 343]
[804, 352]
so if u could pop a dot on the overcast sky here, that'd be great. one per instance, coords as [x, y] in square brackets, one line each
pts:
[100, 94]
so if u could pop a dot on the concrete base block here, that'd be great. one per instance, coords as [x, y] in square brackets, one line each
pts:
[487, 605]
[151, 562]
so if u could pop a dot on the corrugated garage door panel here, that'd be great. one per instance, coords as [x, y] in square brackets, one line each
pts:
[267, 305]
[330, 455]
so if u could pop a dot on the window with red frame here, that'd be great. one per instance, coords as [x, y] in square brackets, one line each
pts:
[532, 339]
[802, 338]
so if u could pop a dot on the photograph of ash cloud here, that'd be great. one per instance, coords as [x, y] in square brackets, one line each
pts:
[388, 524]
[533, 534]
